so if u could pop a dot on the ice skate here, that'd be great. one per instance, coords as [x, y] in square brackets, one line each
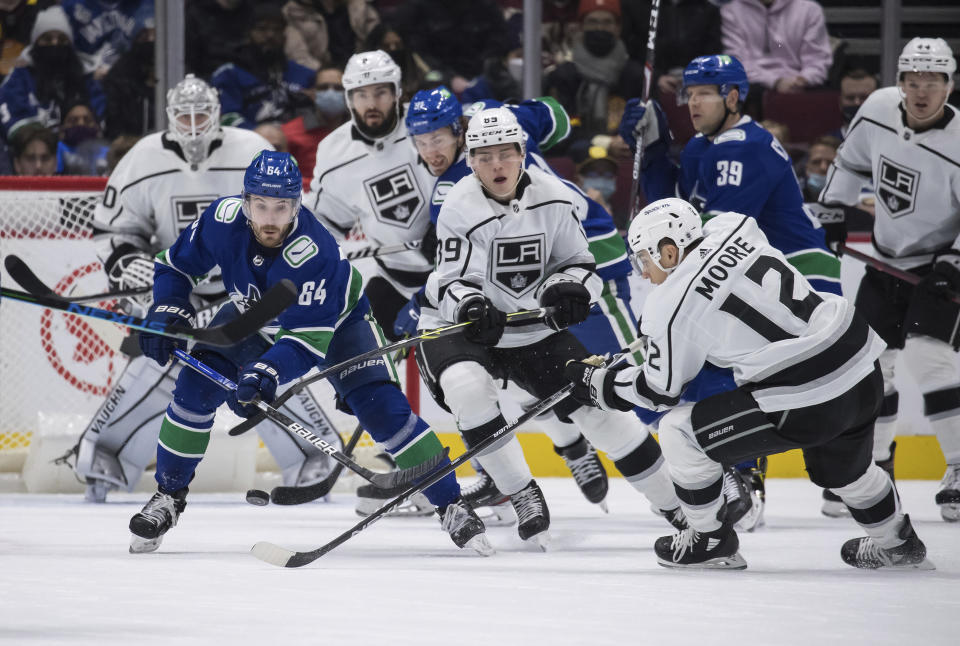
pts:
[465, 527]
[155, 519]
[690, 549]
[492, 506]
[370, 499]
[865, 553]
[532, 514]
[97, 490]
[949, 495]
[675, 517]
[833, 506]
[588, 472]
[736, 493]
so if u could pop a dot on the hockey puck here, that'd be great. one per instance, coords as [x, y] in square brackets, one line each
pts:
[258, 497]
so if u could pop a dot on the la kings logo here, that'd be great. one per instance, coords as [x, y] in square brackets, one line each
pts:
[517, 264]
[897, 187]
[188, 208]
[395, 196]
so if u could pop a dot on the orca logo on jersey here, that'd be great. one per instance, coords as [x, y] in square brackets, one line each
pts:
[395, 196]
[517, 264]
[242, 302]
[187, 208]
[897, 187]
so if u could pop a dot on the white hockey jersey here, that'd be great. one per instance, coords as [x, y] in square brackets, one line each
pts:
[736, 302]
[380, 185]
[509, 252]
[916, 177]
[153, 194]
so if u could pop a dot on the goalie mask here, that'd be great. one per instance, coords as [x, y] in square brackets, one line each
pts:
[670, 218]
[193, 117]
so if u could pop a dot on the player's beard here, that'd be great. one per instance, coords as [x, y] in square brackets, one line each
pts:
[386, 126]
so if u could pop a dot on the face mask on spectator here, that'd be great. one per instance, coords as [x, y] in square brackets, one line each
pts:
[52, 57]
[330, 102]
[76, 135]
[849, 112]
[515, 67]
[606, 185]
[599, 42]
[815, 183]
[398, 55]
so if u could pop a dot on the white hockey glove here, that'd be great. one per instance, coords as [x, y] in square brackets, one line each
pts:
[133, 271]
[593, 384]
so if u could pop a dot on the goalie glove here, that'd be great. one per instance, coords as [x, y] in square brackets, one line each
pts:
[133, 271]
[593, 385]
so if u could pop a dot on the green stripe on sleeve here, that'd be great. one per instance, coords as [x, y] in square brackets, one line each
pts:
[816, 264]
[561, 123]
[315, 340]
[164, 259]
[607, 249]
[352, 293]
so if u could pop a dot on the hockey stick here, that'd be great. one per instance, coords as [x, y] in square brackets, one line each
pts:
[513, 317]
[379, 480]
[21, 273]
[886, 268]
[265, 310]
[283, 557]
[645, 95]
[283, 495]
[376, 252]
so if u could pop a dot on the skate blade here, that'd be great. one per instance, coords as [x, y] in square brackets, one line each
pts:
[497, 515]
[541, 540]
[735, 562]
[752, 519]
[950, 512]
[481, 545]
[407, 510]
[140, 545]
[604, 506]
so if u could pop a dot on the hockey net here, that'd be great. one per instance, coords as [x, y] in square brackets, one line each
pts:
[56, 368]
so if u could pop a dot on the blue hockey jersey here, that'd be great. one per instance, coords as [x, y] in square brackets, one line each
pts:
[246, 100]
[20, 106]
[102, 31]
[545, 123]
[330, 288]
[746, 170]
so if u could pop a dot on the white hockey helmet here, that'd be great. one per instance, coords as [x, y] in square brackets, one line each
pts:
[671, 218]
[368, 68]
[927, 55]
[495, 126]
[193, 116]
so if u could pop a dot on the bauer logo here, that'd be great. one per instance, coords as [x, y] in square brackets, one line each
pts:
[395, 196]
[517, 264]
[897, 188]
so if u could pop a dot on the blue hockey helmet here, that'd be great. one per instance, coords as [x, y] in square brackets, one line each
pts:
[431, 110]
[273, 174]
[721, 70]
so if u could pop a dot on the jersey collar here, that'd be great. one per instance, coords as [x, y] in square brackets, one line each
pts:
[173, 146]
[939, 124]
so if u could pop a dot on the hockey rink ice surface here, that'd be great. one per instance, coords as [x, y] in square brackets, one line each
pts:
[66, 578]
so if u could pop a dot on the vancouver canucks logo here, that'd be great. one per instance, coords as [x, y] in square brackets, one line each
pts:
[518, 264]
[242, 302]
[395, 196]
[897, 187]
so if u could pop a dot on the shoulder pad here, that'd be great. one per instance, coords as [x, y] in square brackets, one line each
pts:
[734, 134]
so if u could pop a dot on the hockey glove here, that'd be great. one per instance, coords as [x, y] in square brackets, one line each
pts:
[593, 384]
[174, 311]
[428, 246]
[572, 303]
[833, 220]
[945, 277]
[258, 380]
[133, 271]
[408, 318]
[648, 122]
[488, 321]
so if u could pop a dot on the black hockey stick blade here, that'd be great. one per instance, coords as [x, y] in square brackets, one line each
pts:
[22, 273]
[403, 344]
[283, 495]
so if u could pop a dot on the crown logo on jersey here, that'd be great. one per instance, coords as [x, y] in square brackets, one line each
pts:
[518, 281]
[897, 187]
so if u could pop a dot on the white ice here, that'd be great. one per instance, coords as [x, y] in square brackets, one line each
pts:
[66, 578]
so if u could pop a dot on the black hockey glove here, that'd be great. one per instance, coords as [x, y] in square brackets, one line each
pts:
[488, 321]
[945, 277]
[572, 301]
[593, 384]
[174, 311]
[428, 246]
[833, 219]
[931, 311]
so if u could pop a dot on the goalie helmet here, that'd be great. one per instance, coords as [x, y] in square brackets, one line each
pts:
[273, 174]
[494, 126]
[927, 55]
[671, 218]
[193, 116]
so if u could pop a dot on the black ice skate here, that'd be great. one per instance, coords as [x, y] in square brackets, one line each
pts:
[949, 495]
[465, 527]
[492, 505]
[690, 549]
[156, 518]
[743, 508]
[865, 553]
[532, 514]
[588, 472]
[675, 517]
[370, 499]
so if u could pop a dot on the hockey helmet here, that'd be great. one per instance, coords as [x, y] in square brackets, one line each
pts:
[273, 174]
[431, 110]
[369, 68]
[671, 218]
[722, 70]
[193, 116]
[927, 55]
[495, 126]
